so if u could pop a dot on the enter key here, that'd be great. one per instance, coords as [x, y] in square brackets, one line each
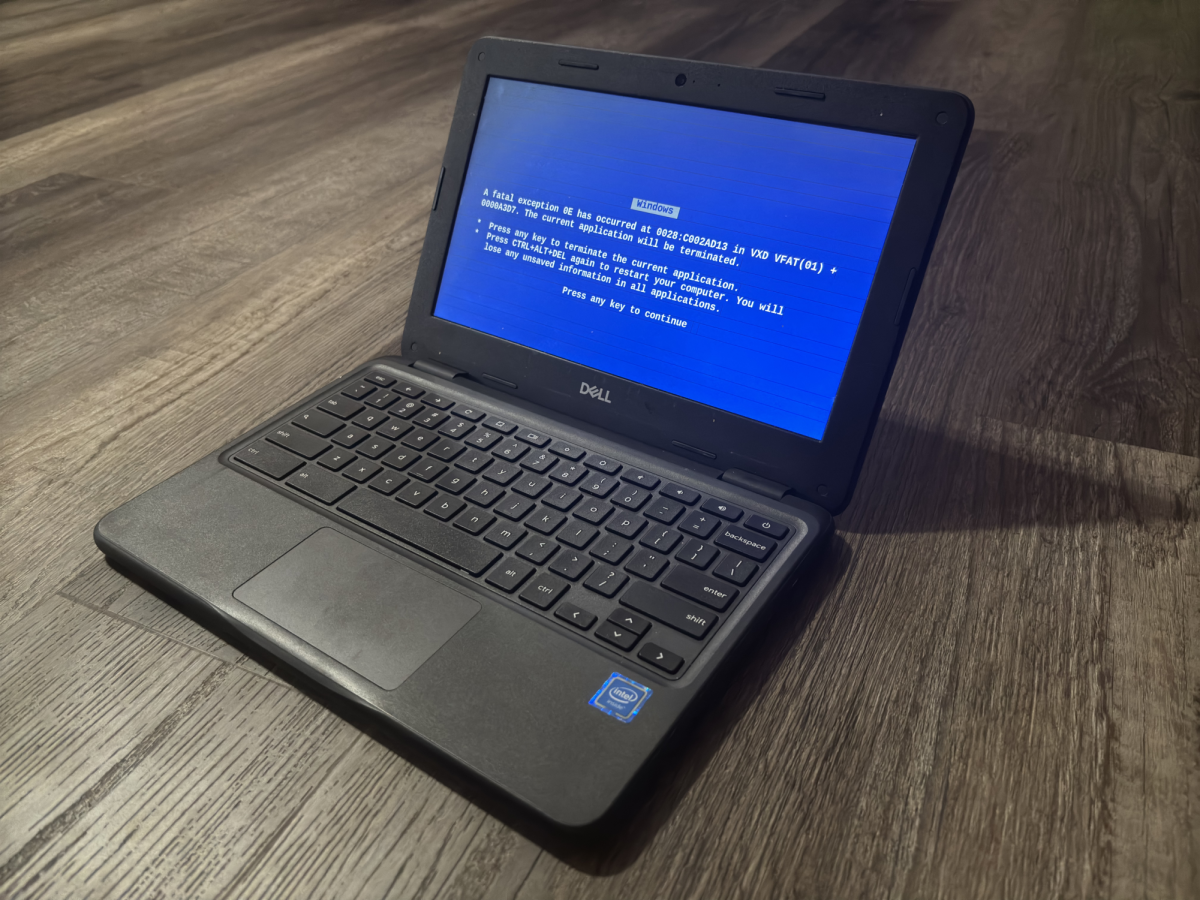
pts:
[699, 587]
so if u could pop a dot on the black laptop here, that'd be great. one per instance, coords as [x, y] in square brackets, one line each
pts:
[656, 313]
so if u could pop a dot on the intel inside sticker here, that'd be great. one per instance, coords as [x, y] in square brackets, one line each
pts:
[621, 697]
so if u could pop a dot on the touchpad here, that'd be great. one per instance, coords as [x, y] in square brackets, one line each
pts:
[375, 615]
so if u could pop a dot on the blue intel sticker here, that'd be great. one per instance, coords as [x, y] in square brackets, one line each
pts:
[621, 697]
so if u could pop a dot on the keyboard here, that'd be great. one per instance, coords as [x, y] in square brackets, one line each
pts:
[644, 566]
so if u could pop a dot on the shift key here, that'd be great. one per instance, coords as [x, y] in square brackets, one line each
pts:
[298, 441]
[676, 612]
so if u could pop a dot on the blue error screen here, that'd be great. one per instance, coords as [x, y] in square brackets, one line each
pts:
[718, 256]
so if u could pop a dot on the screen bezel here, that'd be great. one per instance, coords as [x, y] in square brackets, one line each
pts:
[823, 471]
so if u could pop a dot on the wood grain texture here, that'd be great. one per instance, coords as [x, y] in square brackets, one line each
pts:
[989, 687]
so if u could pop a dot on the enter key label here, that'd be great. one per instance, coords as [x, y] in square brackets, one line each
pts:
[697, 586]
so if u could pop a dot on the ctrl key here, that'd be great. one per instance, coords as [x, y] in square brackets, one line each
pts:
[544, 590]
[268, 459]
[661, 659]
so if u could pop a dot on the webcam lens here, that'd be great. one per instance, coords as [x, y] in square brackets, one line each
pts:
[681, 79]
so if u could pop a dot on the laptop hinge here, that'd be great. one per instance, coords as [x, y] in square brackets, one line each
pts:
[750, 482]
[441, 370]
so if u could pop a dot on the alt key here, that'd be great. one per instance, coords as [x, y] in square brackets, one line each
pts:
[661, 659]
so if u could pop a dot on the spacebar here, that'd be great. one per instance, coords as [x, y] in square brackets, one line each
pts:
[420, 530]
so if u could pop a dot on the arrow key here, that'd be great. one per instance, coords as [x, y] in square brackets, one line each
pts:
[660, 658]
[573, 615]
[614, 634]
[629, 621]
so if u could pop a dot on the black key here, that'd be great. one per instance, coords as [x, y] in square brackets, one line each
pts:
[320, 484]
[568, 473]
[629, 621]
[514, 507]
[383, 399]
[484, 438]
[298, 441]
[513, 450]
[455, 482]
[612, 549]
[594, 511]
[394, 429]
[562, 498]
[531, 485]
[501, 425]
[363, 470]
[538, 549]
[408, 390]
[501, 472]
[573, 615]
[631, 497]
[369, 419]
[578, 535]
[431, 418]
[342, 407]
[699, 524]
[439, 402]
[661, 659]
[419, 439]
[445, 507]
[664, 510]
[599, 485]
[456, 428]
[696, 553]
[545, 520]
[669, 609]
[318, 422]
[614, 634]
[647, 564]
[474, 520]
[660, 539]
[766, 526]
[626, 525]
[484, 494]
[375, 448]
[474, 460]
[505, 534]
[380, 379]
[446, 450]
[530, 436]
[268, 460]
[422, 531]
[680, 493]
[571, 564]
[570, 451]
[722, 509]
[699, 586]
[358, 391]
[540, 461]
[748, 543]
[336, 459]
[640, 478]
[544, 590]
[414, 493]
[469, 413]
[606, 581]
[603, 463]
[407, 409]
[401, 458]
[427, 469]
[387, 482]
[734, 568]
[348, 437]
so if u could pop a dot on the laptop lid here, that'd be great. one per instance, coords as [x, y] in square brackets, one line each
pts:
[716, 261]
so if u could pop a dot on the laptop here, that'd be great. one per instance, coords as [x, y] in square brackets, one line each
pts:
[656, 313]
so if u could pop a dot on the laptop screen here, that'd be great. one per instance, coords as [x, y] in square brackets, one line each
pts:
[719, 256]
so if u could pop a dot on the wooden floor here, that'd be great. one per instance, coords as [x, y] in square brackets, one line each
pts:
[991, 686]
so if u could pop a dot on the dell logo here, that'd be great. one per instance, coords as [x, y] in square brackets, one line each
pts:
[594, 392]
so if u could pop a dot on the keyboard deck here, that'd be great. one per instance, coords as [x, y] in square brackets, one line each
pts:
[532, 516]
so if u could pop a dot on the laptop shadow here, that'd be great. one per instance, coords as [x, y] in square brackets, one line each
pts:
[652, 798]
[997, 476]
